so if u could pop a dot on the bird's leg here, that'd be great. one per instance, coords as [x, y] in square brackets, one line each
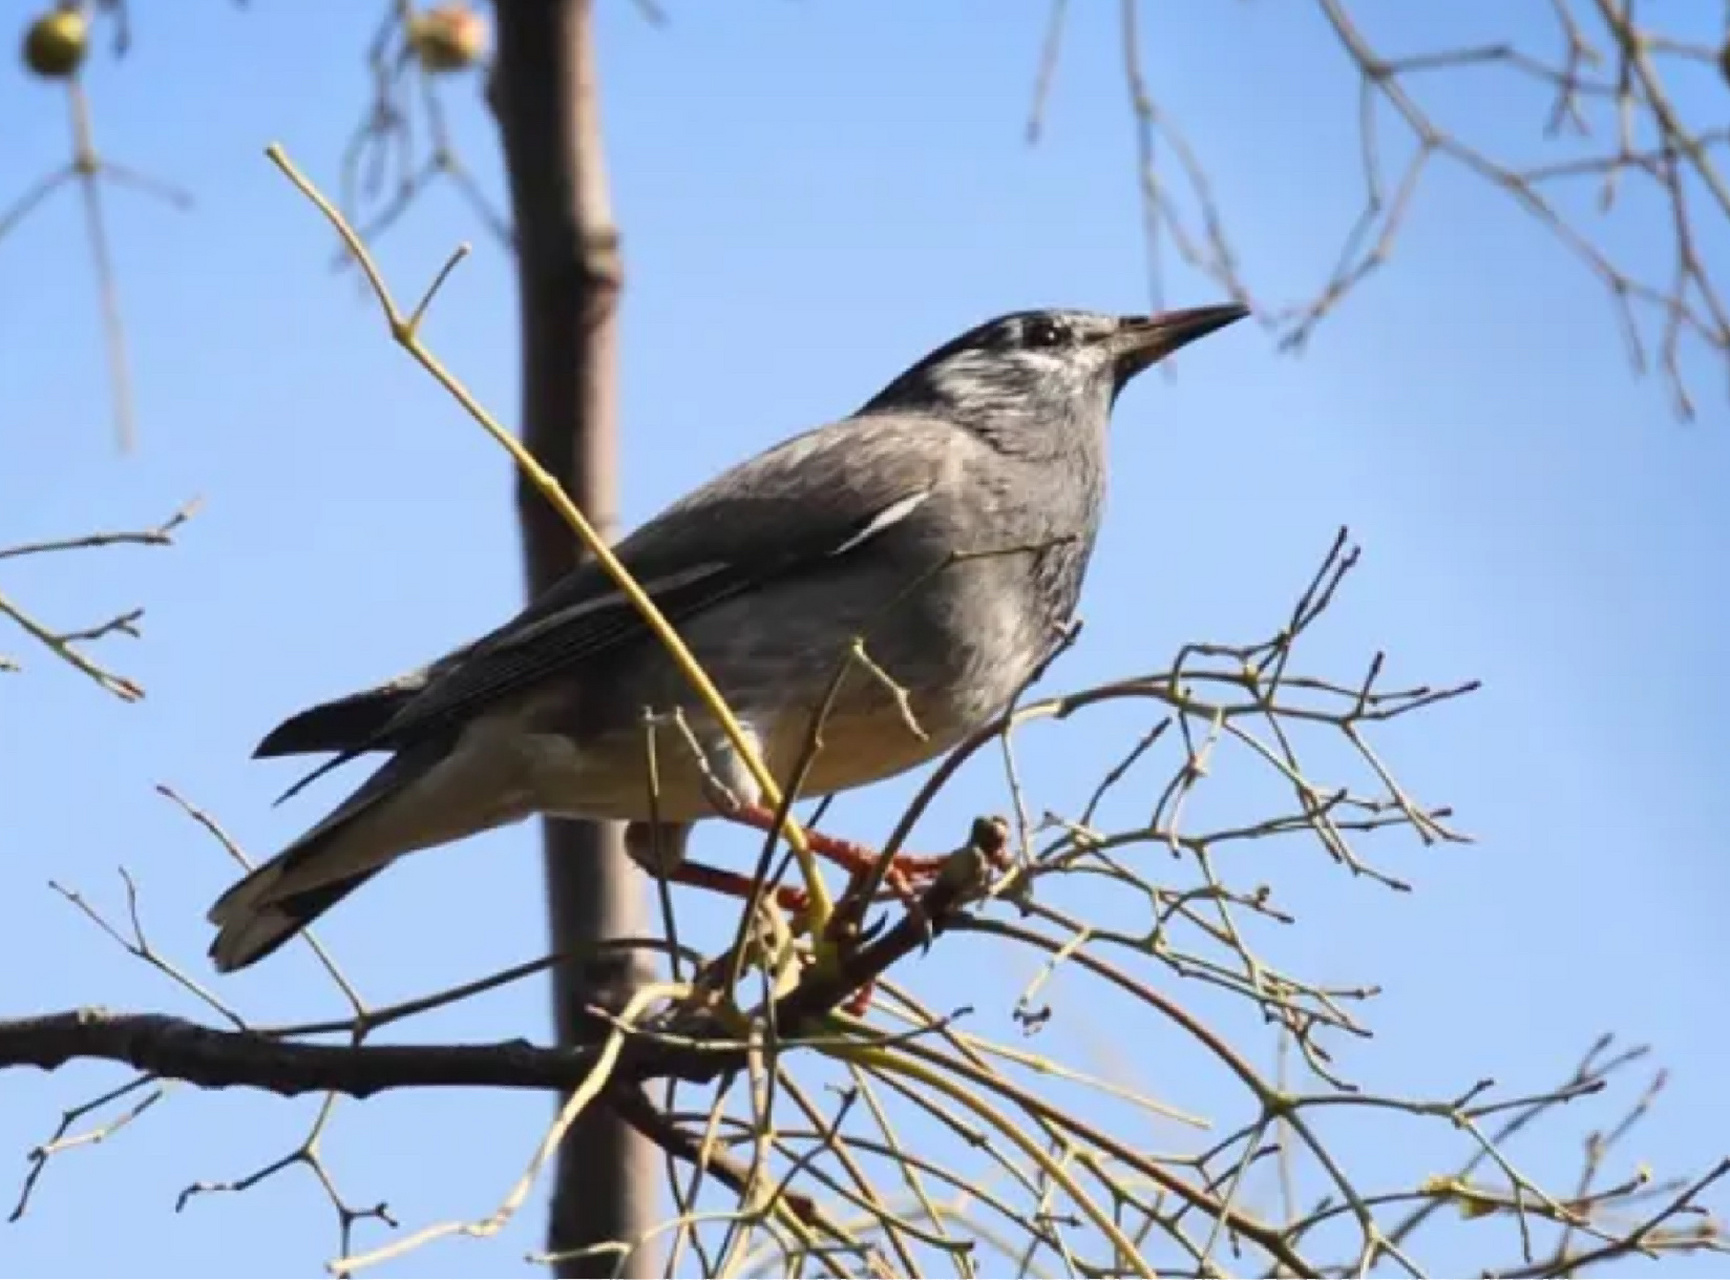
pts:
[904, 871]
[660, 851]
[733, 794]
[847, 854]
[858, 1004]
[788, 897]
[855, 858]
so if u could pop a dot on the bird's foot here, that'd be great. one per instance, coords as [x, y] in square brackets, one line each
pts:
[858, 1004]
[788, 897]
[906, 876]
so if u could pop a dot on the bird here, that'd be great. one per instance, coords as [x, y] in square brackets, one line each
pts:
[936, 539]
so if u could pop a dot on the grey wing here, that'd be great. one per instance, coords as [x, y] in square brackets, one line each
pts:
[820, 497]
[352, 719]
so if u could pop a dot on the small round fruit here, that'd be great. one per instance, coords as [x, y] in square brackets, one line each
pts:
[448, 37]
[55, 44]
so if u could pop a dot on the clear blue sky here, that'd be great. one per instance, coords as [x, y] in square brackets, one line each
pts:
[811, 195]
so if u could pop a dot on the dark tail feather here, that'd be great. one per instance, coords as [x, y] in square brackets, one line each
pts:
[282, 922]
[360, 837]
[344, 724]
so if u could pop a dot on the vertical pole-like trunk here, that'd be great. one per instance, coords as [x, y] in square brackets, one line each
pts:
[568, 269]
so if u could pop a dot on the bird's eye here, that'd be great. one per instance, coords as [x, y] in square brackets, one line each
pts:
[1043, 333]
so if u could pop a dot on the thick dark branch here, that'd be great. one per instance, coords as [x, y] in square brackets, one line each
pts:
[178, 1049]
[697, 1048]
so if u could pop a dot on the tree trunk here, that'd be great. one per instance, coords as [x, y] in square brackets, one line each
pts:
[569, 275]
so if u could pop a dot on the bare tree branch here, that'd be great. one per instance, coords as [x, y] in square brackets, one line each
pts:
[66, 643]
[1613, 117]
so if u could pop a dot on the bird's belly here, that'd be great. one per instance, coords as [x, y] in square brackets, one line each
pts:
[931, 681]
[611, 778]
[862, 746]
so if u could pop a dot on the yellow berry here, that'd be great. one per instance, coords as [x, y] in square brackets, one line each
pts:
[56, 43]
[448, 37]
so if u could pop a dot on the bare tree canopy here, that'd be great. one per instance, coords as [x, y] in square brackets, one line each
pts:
[1184, 848]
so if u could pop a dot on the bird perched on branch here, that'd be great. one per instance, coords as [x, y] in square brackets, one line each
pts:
[935, 540]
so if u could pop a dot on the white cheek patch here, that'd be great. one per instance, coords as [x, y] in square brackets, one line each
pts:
[962, 374]
[890, 516]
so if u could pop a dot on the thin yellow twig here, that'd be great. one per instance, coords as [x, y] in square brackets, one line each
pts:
[887, 1061]
[405, 333]
[580, 1098]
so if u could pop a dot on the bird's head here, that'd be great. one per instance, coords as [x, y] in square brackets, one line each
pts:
[1044, 371]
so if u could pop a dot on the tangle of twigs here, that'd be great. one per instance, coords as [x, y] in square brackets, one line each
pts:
[1615, 118]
